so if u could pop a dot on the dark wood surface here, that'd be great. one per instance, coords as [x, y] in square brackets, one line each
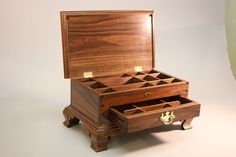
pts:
[117, 99]
[109, 43]
[85, 101]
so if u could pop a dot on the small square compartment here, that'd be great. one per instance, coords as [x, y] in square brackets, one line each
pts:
[175, 80]
[168, 80]
[153, 72]
[148, 103]
[128, 109]
[132, 111]
[123, 108]
[176, 98]
[88, 80]
[152, 104]
[149, 78]
[163, 76]
[139, 73]
[147, 85]
[161, 82]
[133, 80]
[97, 85]
[108, 90]
[125, 75]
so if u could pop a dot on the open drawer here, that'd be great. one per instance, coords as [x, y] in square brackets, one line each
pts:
[147, 114]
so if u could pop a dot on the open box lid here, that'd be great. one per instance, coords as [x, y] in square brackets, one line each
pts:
[105, 43]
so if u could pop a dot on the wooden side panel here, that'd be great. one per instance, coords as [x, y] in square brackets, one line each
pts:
[85, 101]
[106, 43]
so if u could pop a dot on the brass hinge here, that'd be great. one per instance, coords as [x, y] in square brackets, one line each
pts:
[138, 68]
[88, 74]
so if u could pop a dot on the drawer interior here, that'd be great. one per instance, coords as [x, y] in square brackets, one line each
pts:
[148, 114]
[145, 106]
[127, 81]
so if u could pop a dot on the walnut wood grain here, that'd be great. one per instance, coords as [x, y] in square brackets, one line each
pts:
[116, 99]
[108, 43]
[85, 101]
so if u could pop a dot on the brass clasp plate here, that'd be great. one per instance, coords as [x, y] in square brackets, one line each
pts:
[167, 117]
[88, 74]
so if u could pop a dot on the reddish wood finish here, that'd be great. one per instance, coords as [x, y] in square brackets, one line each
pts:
[117, 99]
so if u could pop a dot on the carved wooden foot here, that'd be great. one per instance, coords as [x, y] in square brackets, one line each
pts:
[186, 124]
[70, 119]
[98, 143]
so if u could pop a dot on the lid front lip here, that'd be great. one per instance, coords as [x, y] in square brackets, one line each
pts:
[94, 12]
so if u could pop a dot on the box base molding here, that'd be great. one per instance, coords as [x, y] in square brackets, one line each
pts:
[100, 134]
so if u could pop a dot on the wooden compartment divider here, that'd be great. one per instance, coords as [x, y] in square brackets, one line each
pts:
[146, 106]
[127, 81]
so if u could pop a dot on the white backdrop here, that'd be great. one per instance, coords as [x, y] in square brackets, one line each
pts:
[190, 43]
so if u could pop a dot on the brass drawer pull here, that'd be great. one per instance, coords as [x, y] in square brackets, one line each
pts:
[167, 117]
[147, 93]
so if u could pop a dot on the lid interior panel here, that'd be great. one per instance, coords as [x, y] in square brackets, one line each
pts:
[106, 43]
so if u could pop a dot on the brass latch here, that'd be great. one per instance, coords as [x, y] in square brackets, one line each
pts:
[88, 74]
[167, 117]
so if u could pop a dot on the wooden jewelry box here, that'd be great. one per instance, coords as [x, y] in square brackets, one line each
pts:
[109, 57]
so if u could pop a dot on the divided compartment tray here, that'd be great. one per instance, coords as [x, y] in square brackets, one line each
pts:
[127, 81]
[147, 114]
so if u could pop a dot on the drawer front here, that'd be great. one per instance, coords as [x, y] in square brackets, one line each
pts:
[143, 95]
[149, 114]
